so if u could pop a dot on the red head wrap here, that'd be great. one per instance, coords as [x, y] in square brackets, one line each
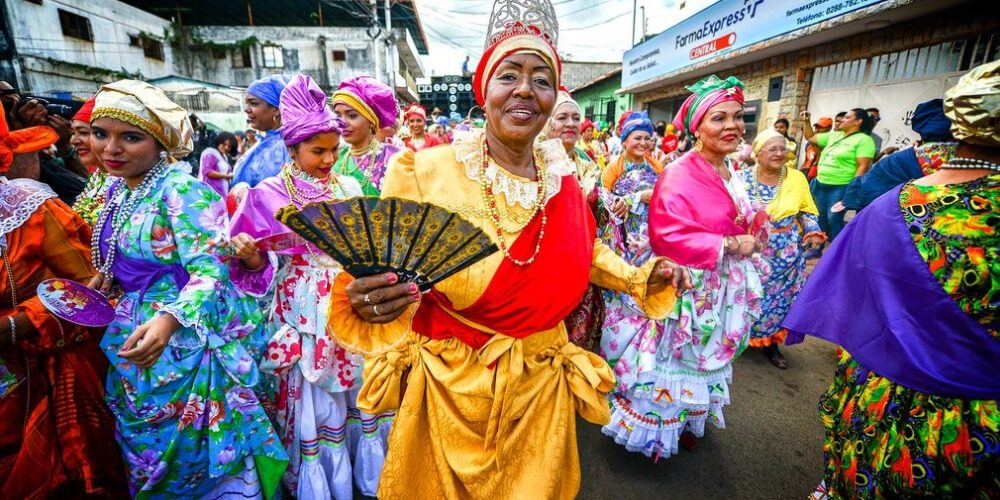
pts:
[415, 110]
[84, 113]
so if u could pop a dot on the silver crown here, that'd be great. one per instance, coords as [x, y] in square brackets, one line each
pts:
[514, 17]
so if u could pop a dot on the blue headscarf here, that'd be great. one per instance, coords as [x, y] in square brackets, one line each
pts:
[269, 88]
[636, 121]
[930, 122]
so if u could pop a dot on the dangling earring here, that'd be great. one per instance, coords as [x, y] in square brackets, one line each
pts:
[276, 120]
[163, 155]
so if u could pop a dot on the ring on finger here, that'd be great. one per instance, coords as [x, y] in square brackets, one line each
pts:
[368, 300]
[375, 310]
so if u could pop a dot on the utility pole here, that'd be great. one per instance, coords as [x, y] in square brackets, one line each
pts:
[374, 34]
[390, 61]
[633, 22]
[643, 39]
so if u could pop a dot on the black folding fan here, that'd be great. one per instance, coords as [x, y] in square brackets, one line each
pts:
[420, 242]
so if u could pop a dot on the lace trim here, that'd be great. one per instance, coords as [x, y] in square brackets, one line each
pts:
[19, 199]
[515, 190]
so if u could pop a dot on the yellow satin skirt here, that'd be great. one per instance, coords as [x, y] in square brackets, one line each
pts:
[498, 422]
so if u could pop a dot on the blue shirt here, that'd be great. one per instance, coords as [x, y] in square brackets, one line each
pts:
[261, 161]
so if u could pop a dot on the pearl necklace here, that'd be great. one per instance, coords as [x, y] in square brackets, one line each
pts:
[119, 209]
[755, 192]
[324, 192]
[962, 163]
[489, 198]
[372, 151]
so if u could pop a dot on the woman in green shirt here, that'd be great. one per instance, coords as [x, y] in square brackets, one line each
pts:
[847, 153]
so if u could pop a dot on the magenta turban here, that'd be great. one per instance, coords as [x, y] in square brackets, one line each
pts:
[304, 112]
[370, 97]
[706, 93]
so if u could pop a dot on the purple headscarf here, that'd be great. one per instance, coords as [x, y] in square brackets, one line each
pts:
[304, 112]
[269, 88]
[370, 97]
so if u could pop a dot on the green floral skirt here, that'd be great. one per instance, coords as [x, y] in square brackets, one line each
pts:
[884, 440]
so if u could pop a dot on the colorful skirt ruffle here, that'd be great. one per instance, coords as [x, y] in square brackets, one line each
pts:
[884, 440]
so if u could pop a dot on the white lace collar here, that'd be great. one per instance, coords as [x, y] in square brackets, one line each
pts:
[19, 199]
[516, 190]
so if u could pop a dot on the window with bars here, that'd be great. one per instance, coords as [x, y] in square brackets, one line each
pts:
[272, 56]
[241, 57]
[152, 48]
[76, 26]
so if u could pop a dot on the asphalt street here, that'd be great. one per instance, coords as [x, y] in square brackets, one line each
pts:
[771, 447]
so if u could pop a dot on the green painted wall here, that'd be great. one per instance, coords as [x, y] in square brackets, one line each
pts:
[598, 96]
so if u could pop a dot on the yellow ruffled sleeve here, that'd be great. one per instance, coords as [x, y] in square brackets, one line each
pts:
[345, 327]
[609, 270]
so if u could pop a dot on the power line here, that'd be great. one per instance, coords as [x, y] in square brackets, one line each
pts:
[597, 23]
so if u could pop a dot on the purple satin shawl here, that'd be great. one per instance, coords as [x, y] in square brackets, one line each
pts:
[873, 294]
[137, 275]
[255, 217]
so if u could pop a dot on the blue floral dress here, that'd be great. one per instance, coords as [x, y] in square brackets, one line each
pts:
[786, 259]
[629, 238]
[191, 425]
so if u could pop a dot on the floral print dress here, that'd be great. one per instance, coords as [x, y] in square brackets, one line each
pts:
[332, 446]
[190, 426]
[932, 446]
[785, 257]
[624, 318]
[674, 375]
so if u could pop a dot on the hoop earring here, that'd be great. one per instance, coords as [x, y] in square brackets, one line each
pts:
[294, 169]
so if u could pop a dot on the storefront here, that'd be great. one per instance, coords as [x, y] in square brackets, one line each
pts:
[823, 55]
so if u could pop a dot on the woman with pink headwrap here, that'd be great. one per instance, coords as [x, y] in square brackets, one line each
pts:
[316, 414]
[672, 379]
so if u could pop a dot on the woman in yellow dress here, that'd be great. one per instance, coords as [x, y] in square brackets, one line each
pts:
[486, 382]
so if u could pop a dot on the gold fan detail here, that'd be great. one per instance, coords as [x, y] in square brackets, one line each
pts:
[421, 242]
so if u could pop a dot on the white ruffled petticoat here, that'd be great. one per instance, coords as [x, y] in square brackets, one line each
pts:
[332, 446]
[674, 375]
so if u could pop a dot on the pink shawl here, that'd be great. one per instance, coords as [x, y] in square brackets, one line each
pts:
[691, 211]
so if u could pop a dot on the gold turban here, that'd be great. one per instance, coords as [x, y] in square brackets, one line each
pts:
[562, 97]
[148, 108]
[762, 137]
[973, 106]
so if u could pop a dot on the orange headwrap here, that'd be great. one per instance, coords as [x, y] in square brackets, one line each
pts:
[25, 140]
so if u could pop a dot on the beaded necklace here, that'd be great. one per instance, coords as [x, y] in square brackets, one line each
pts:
[755, 190]
[119, 209]
[486, 189]
[372, 151]
[963, 163]
[297, 196]
[324, 190]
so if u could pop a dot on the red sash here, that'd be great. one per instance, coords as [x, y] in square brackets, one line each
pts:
[520, 301]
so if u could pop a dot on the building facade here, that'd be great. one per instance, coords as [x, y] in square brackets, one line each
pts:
[238, 55]
[66, 48]
[887, 54]
[599, 99]
[99, 41]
